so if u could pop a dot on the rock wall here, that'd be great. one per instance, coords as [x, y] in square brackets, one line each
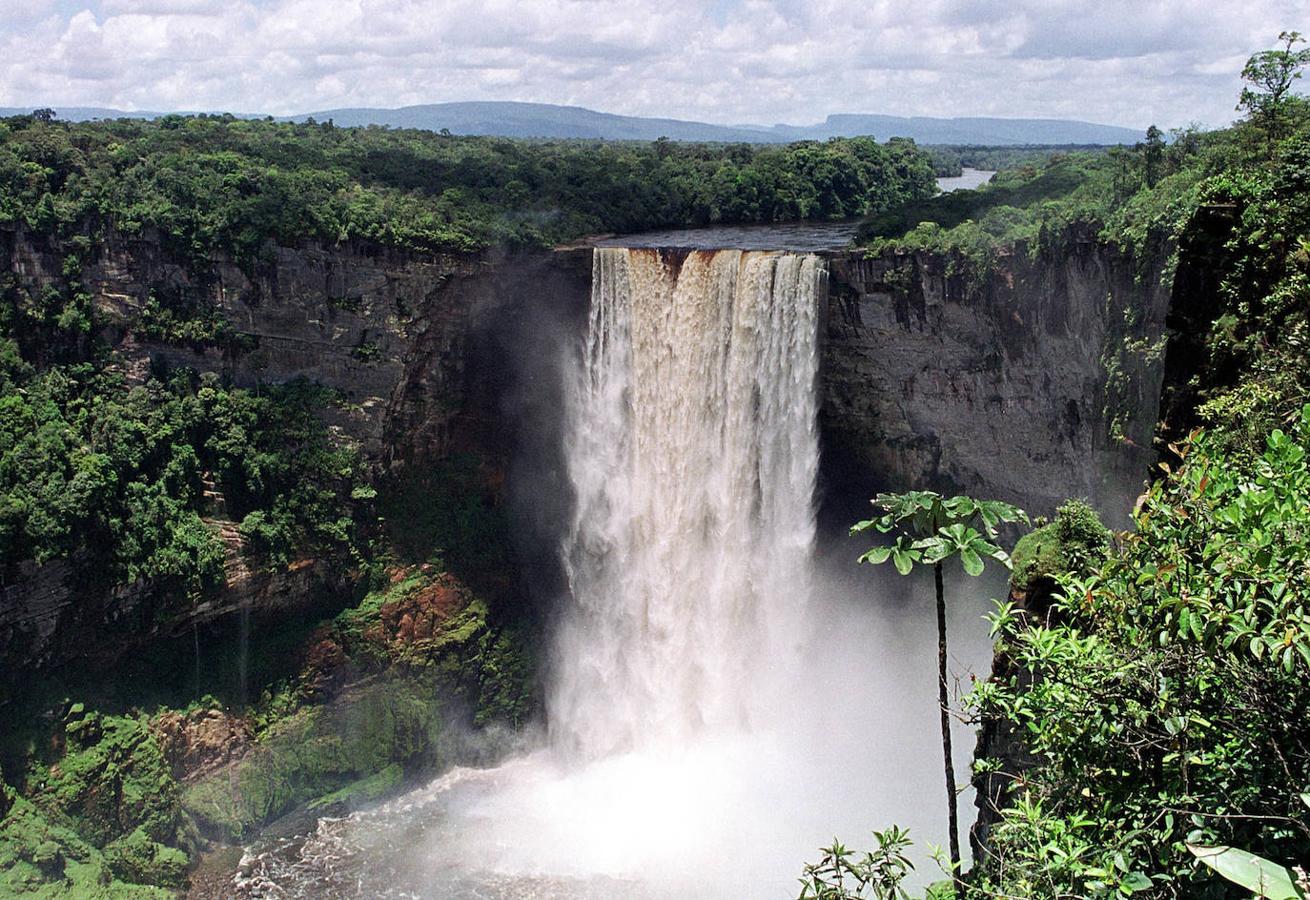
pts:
[1035, 382]
[431, 353]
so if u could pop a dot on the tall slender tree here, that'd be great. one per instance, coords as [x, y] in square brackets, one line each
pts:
[929, 530]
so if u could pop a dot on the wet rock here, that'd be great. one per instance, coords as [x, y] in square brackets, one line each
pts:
[196, 743]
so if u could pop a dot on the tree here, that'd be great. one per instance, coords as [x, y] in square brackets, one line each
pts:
[877, 875]
[1271, 73]
[930, 530]
[45, 114]
[1153, 155]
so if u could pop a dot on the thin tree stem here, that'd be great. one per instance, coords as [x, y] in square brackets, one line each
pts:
[944, 702]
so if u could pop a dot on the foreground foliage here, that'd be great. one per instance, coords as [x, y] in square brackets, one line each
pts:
[930, 529]
[1166, 697]
[877, 874]
[1152, 693]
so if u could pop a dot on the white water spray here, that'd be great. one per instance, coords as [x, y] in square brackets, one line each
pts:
[693, 453]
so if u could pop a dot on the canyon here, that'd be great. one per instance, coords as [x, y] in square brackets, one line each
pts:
[1034, 380]
[1030, 383]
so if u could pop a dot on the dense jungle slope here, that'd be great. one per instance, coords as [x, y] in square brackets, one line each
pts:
[1149, 698]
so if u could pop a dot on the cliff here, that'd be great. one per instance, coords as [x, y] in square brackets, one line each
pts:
[1033, 382]
[429, 354]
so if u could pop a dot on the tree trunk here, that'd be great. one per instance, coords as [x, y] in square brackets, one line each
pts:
[944, 701]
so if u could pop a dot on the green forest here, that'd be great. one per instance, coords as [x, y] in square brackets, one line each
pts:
[216, 183]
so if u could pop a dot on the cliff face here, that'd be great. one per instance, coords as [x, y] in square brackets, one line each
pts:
[391, 330]
[1036, 382]
[431, 353]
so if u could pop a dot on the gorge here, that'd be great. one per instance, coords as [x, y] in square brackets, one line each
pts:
[712, 703]
[396, 512]
[722, 394]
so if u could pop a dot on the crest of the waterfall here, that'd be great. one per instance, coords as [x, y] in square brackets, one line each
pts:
[693, 452]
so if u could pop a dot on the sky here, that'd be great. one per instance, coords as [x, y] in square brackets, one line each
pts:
[726, 61]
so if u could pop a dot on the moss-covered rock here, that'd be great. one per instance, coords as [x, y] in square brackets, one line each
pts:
[40, 858]
[383, 684]
[318, 751]
[112, 779]
[138, 859]
[102, 815]
[1037, 555]
[361, 792]
[114, 802]
[1073, 542]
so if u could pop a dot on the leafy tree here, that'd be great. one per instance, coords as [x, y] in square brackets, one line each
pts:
[1166, 705]
[214, 183]
[929, 530]
[1271, 74]
[1153, 155]
[1260, 876]
[877, 875]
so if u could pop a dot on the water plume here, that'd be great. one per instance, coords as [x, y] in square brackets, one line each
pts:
[693, 453]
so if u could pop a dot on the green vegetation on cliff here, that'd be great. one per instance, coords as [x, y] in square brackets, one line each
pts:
[101, 815]
[1151, 690]
[1164, 700]
[1162, 692]
[1073, 541]
[1122, 196]
[114, 474]
[387, 691]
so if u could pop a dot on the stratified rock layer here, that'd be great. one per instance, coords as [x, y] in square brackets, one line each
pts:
[430, 354]
[1035, 382]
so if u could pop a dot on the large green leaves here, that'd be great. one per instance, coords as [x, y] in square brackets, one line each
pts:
[933, 529]
[1258, 875]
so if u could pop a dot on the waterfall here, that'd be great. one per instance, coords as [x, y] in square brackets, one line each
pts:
[692, 450]
[720, 702]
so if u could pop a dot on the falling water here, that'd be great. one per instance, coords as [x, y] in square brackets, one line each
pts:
[717, 708]
[243, 651]
[693, 453]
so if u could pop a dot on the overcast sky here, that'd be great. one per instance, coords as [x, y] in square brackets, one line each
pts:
[727, 61]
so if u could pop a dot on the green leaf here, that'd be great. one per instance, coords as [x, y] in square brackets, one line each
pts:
[903, 561]
[1260, 876]
[973, 563]
[876, 556]
[1134, 882]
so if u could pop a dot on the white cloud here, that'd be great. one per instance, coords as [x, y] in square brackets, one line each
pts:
[1122, 61]
[15, 13]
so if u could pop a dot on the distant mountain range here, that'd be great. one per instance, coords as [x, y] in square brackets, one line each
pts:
[544, 120]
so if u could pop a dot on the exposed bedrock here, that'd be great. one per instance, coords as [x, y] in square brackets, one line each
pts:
[1032, 382]
[1035, 382]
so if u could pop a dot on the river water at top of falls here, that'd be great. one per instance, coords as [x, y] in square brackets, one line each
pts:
[717, 709]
